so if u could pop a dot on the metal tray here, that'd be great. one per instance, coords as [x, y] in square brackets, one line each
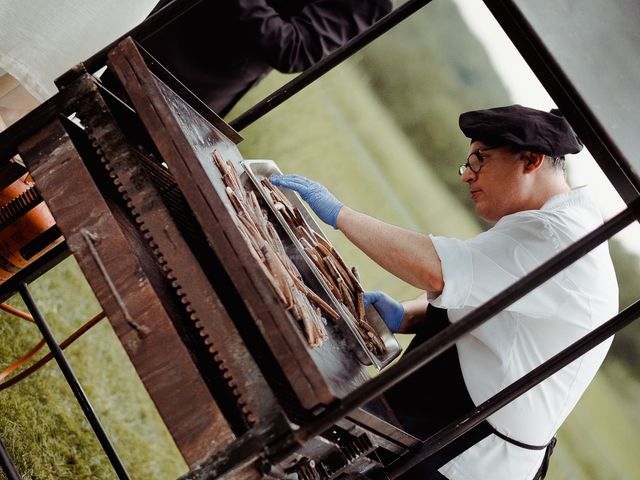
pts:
[256, 170]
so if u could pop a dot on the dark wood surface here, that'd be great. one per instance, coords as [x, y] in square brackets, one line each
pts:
[160, 358]
[186, 142]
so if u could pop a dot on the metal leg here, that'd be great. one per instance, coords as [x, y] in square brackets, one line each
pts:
[7, 465]
[73, 383]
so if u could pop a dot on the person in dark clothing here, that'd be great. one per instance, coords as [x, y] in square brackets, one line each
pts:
[220, 49]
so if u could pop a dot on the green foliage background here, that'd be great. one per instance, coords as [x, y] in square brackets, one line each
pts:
[427, 72]
[381, 132]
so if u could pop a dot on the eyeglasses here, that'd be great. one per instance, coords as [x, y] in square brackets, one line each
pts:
[474, 161]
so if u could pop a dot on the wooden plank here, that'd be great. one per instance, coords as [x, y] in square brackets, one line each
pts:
[170, 137]
[112, 268]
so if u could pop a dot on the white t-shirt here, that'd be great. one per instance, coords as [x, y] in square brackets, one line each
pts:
[530, 331]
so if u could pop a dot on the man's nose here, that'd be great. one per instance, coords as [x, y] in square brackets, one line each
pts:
[468, 175]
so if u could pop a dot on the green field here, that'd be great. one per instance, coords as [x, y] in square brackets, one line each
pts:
[338, 132]
[40, 421]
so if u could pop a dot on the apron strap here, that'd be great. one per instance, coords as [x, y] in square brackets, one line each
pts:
[518, 443]
[542, 471]
[436, 395]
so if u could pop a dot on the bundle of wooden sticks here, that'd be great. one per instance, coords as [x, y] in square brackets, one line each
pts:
[266, 246]
[344, 282]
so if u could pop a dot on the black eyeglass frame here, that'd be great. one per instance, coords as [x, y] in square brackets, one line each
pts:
[478, 153]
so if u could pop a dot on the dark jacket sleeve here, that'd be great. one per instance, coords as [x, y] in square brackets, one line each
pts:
[294, 44]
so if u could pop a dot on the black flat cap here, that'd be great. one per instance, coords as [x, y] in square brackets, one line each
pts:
[522, 127]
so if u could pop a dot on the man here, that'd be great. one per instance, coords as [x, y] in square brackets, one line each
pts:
[220, 49]
[515, 176]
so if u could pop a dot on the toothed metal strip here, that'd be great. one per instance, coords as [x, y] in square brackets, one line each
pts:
[175, 195]
[18, 206]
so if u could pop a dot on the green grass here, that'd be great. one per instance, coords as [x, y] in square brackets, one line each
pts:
[41, 422]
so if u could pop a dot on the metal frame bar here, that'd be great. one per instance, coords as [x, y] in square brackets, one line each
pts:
[32, 271]
[7, 465]
[163, 17]
[323, 66]
[19, 131]
[73, 383]
[591, 131]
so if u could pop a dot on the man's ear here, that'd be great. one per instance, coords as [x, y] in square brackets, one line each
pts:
[533, 161]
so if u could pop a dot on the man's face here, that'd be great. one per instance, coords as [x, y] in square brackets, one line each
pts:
[496, 189]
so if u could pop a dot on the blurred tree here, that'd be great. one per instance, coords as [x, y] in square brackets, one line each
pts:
[426, 72]
[626, 345]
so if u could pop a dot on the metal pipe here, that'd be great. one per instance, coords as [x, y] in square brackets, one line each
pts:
[73, 383]
[7, 465]
[323, 66]
[462, 425]
[430, 349]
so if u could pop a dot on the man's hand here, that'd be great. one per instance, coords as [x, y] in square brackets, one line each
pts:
[391, 311]
[321, 201]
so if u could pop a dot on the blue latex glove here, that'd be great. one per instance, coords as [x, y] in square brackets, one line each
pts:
[320, 200]
[391, 311]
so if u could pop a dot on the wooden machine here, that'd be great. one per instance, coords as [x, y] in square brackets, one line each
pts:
[146, 212]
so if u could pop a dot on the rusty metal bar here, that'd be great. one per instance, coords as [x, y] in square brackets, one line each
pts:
[513, 391]
[22, 129]
[323, 66]
[32, 271]
[73, 382]
[7, 465]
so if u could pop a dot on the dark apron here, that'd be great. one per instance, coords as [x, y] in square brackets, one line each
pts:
[436, 395]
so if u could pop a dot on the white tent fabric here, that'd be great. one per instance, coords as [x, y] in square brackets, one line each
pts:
[41, 39]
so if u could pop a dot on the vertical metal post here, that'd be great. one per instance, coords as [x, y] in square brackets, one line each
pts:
[73, 383]
[7, 465]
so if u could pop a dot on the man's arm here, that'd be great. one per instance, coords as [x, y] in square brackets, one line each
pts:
[408, 255]
[406, 317]
[414, 314]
